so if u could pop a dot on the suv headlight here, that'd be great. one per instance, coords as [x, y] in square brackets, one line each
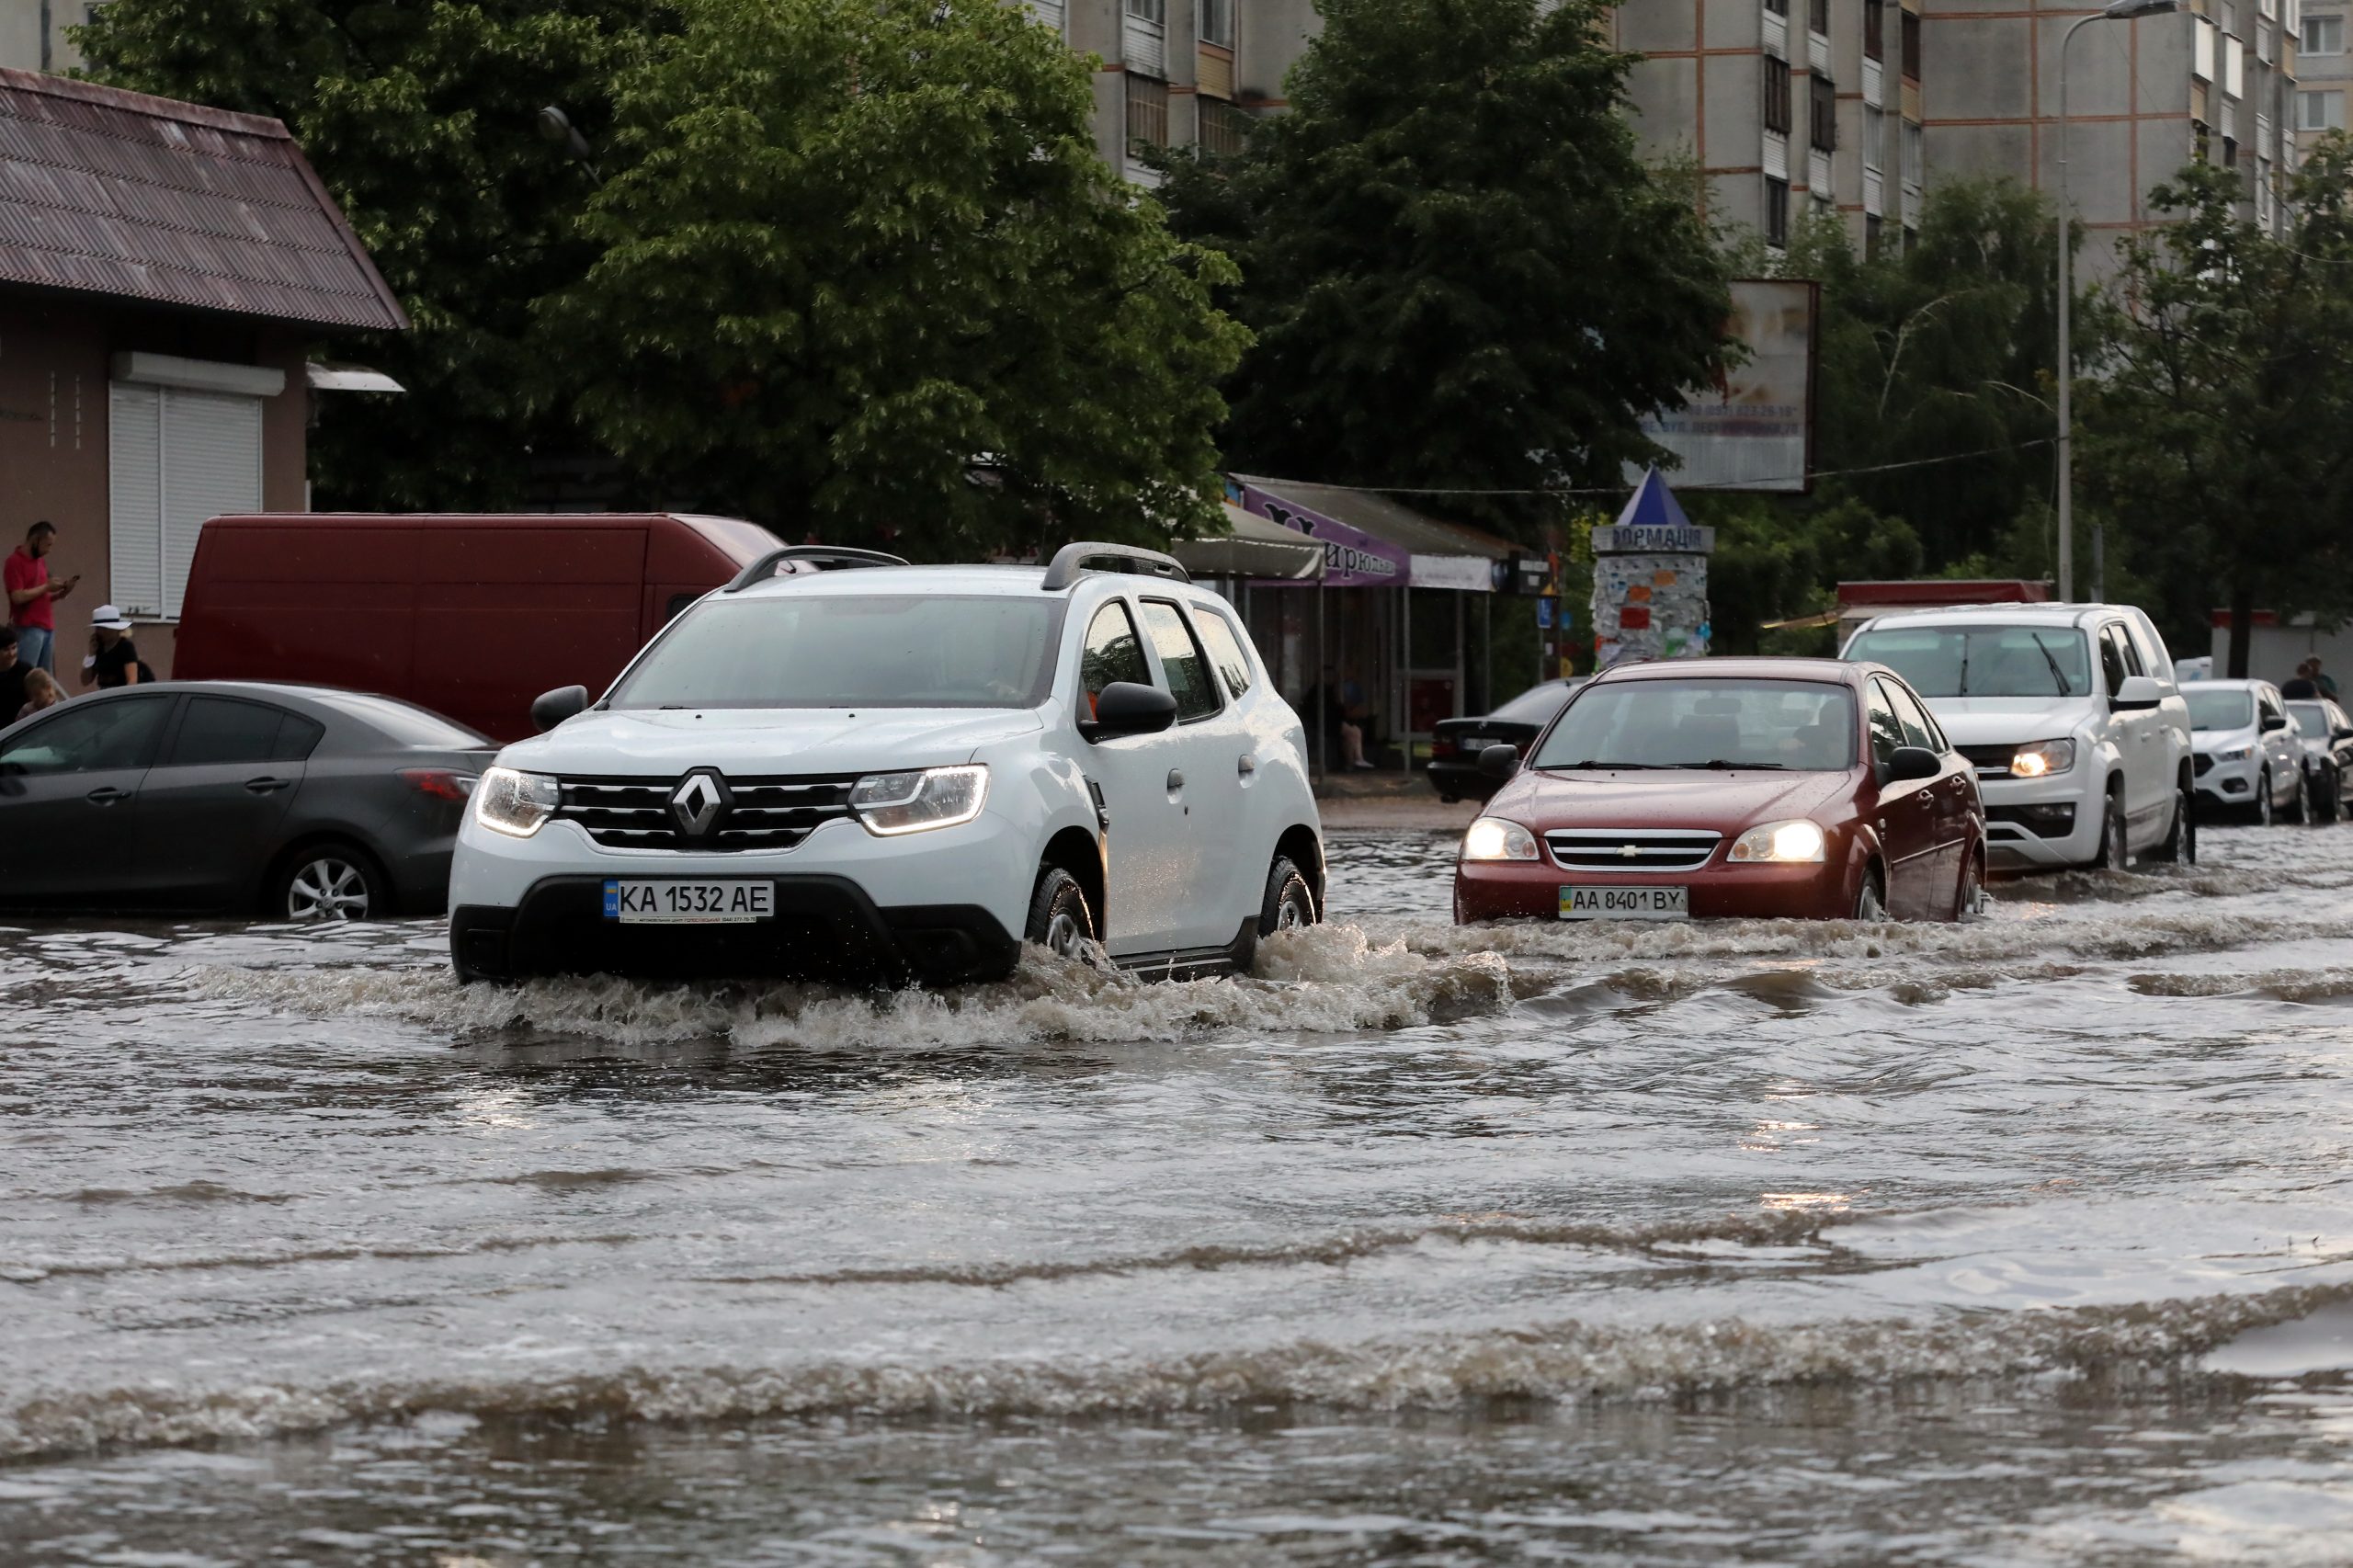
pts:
[515, 804]
[2233, 754]
[1786, 842]
[892, 803]
[2042, 759]
[1493, 838]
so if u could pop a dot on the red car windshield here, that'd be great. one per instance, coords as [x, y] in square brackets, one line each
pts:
[1784, 725]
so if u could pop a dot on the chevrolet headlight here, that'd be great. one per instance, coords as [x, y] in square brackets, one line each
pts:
[2233, 754]
[893, 803]
[516, 804]
[2042, 759]
[1493, 838]
[1780, 841]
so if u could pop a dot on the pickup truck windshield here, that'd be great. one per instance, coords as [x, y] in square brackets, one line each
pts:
[845, 651]
[1784, 725]
[1981, 661]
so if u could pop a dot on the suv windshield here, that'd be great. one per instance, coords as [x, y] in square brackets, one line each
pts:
[1801, 726]
[2220, 709]
[845, 650]
[1981, 661]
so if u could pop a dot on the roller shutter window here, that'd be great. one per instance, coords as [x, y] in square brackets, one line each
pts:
[174, 458]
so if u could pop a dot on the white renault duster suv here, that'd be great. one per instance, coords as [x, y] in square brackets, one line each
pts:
[843, 767]
[2071, 717]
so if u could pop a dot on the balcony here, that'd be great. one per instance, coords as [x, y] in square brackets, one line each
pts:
[1047, 11]
[1874, 83]
[1777, 34]
[1817, 173]
[1874, 193]
[1145, 46]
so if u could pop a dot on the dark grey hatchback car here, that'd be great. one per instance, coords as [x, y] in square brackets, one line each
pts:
[299, 802]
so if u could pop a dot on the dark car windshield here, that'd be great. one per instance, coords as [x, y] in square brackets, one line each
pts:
[2219, 710]
[1803, 726]
[851, 651]
[1981, 661]
[1536, 705]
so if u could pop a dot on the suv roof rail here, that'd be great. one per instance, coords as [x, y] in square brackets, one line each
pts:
[1071, 559]
[821, 557]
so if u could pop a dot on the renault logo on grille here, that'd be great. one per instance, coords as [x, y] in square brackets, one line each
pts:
[697, 803]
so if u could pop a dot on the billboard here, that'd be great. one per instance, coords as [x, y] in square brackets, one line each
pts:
[1754, 429]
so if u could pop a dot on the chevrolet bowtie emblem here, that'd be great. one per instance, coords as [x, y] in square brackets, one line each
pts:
[1629, 851]
[696, 803]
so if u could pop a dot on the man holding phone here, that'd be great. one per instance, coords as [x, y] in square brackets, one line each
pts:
[32, 596]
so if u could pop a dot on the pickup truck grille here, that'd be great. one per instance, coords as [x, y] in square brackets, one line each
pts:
[1632, 849]
[767, 814]
[1991, 761]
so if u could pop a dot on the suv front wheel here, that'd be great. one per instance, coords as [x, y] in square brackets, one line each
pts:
[1060, 920]
[1290, 903]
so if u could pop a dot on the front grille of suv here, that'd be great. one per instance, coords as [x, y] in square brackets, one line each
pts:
[1989, 761]
[767, 814]
[2202, 764]
[1632, 849]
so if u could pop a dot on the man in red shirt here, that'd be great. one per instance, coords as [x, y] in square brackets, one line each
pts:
[32, 596]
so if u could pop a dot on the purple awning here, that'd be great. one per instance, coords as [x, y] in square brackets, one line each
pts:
[1352, 558]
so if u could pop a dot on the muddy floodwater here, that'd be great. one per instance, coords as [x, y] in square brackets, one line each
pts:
[2028, 1242]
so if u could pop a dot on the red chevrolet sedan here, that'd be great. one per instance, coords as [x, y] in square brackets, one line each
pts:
[1805, 789]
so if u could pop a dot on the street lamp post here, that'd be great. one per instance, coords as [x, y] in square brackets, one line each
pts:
[2114, 11]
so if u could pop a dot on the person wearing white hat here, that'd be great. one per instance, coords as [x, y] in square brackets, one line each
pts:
[112, 660]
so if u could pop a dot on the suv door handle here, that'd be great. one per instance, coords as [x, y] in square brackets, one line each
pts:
[1175, 780]
[264, 785]
[1247, 766]
[106, 795]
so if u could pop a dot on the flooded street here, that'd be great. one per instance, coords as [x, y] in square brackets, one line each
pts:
[2029, 1241]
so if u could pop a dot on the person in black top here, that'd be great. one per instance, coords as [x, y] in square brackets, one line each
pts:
[2303, 688]
[113, 661]
[12, 677]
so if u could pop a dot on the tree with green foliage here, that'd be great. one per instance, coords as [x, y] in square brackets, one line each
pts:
[1936, 367]
[861, 270]
[2220, 425]
[1459, 270]
[420, 119]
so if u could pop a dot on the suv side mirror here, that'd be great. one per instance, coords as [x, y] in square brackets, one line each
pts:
[552, 708]
[1498, 762]
[2274, 721]
[1124, 708]
[1913, 762]
[2136, 694]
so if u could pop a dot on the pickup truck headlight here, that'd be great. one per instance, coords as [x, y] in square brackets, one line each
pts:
[516, 804]
[893, 803]
[2042, 759]
[1784, 842]
[1493, 838]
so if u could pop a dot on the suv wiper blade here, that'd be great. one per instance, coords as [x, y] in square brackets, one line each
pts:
[1600, 767]
[2066, 688]
[1720, 764]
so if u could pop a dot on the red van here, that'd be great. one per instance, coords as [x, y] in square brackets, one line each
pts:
[472, 616]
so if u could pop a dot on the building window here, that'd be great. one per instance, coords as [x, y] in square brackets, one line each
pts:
[2229, 18]
[1153, 11]
[1147, 112]
[1777, 212]
[2320, 111]
[1217, 22]
[1871, 226]
[1779, 7]
[1777, 94]
[1875, 29]
[1912, 44]
[1822, 120]
[1874, 137]
[1916, 156]
[1817, 17]
[1223, 128]
[173, 458]
[2324, 35]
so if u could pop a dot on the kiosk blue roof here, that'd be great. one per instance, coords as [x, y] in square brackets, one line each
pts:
[1653, 505]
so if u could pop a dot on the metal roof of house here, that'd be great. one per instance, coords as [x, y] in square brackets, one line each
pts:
[119, 194]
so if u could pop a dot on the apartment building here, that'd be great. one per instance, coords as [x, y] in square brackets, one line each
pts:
[32, 33]
[1787, 106]
[1180, 73]
[2217, 80]
[2323, 71]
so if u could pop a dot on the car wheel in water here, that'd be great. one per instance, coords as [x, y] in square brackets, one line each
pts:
[1289, 903]
[2263, 807]
[2181, 843]
[1060, 920]
[2299, 798]
[1969, 900]
[331, 881]
[2329, 798]
[2115, 849]
[1870, 899]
